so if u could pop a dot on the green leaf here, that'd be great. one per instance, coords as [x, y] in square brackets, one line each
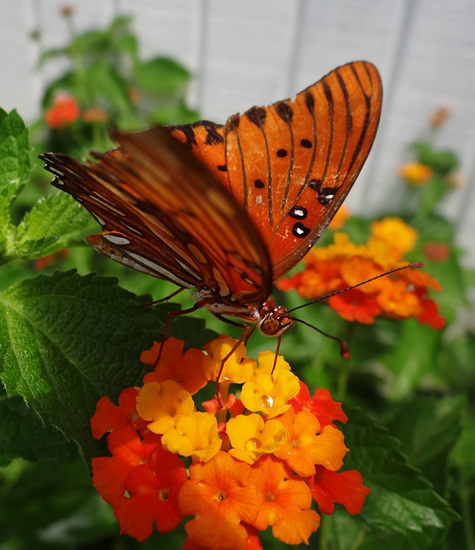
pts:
[23, 435]
[413, 358]
[441, 162]
[64, 83]
[52, 53]
[120, 24]
[173, 114]
[66, 340]
[127, 43]
[89, 43]
[401, 503]
[444, 162]
[455, 362]
[424, 152]
[464, 451]
[53, 223]
[161, 76]
[428, 428]
[109, 86]
[469, 276]
[14, 167]
[431, 194]
[52, 505]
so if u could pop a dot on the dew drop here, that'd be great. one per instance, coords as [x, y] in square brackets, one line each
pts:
[266, 401]
[252, 444]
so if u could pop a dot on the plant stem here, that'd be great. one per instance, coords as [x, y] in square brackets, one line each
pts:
[324, 532]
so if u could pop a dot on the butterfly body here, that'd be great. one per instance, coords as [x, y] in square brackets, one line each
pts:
[229, 209]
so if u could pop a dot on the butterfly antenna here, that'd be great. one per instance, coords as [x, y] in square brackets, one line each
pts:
[411, 265]
[344, 349]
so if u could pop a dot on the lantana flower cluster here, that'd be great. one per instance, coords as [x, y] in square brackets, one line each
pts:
[244, 461]
[344, 264]
[66, 110]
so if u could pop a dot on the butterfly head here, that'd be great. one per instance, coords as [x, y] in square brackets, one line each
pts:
[273, 319]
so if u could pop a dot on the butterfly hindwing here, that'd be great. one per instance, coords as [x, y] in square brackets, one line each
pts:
[291, 165]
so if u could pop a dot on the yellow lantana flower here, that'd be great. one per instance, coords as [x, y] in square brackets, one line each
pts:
[195, 435]
[162, 403]
[415, 173]
[237, 368]
[251, 436]
[396, 233]
[270, 393]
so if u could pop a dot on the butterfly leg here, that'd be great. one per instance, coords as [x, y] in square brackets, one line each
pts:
[247, 331]
[167, 325]
[277, 349]
[166, 298]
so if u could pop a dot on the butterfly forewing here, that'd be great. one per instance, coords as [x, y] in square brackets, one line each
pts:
[164, 210]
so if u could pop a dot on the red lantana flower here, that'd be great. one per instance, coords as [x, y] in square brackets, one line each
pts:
[321, 404]
[345, 488]
[63, 113]
[141, 481]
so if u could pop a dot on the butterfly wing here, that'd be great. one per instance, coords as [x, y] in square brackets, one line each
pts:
[291, 165]
[164, 213]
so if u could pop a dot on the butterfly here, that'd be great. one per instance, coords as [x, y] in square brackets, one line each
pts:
[229, 209]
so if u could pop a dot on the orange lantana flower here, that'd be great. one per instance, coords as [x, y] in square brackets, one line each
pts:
[342, 265]
[308, 445]
[220, 497]
[283, 502]
[342, 214]
[186, 368]
[64, 111]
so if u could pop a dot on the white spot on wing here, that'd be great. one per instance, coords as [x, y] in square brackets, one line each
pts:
[115, 239]
[98, 218]
[259, 199]
[159, 269]
[186, 268]
[134, 229]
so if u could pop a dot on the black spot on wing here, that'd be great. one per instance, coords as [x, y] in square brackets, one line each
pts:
[257, 115]
[300, 231]
[298, 212]
[284, 111]
[310, 102]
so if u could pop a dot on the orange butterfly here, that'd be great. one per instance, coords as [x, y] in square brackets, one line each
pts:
[231, 208]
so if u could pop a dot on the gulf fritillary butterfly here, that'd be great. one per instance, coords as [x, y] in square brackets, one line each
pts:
[230, 209]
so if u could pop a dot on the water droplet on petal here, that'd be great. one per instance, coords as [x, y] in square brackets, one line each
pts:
[252, 444]
[266, 401]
